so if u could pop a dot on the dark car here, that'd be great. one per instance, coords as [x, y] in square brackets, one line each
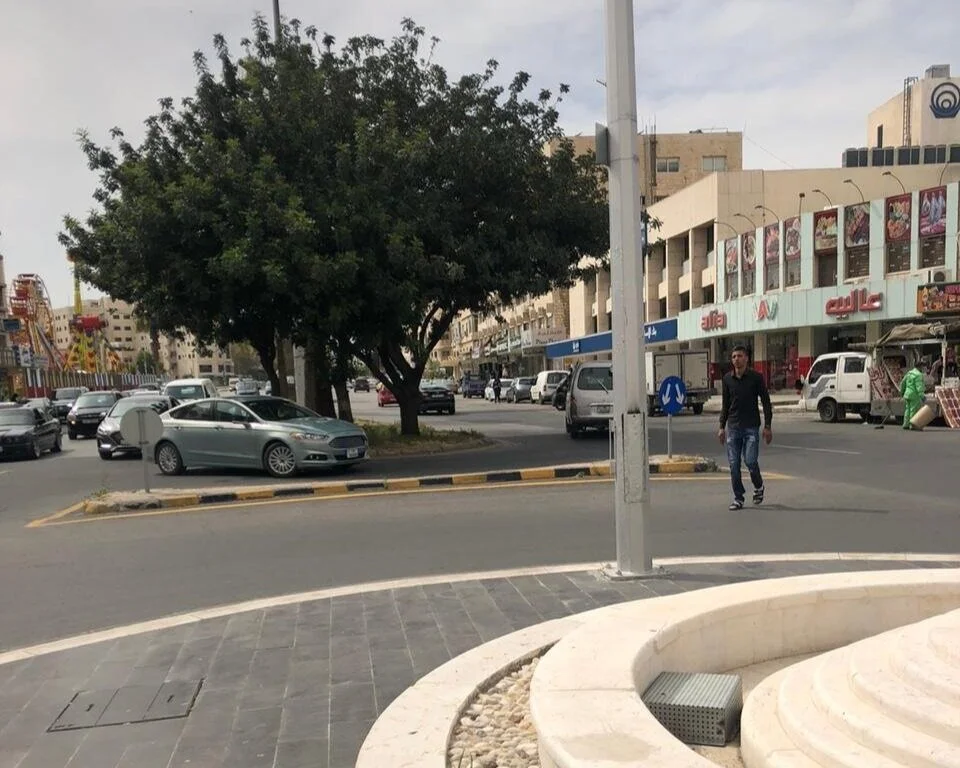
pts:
[361, 385]
[437, 399]
[63, 400]
[110, 442]
[28, 432]
[89, 410]
[519, 391]
[473, 387]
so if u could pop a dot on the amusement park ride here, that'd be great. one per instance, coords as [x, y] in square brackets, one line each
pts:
[89, 351]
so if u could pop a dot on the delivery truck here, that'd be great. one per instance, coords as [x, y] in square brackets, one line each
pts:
[692, 367]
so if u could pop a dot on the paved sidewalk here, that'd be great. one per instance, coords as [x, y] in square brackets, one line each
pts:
[297, 686]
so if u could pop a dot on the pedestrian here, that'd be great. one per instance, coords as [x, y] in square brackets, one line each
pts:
[912, 390]
[497, 386]
[740, 424]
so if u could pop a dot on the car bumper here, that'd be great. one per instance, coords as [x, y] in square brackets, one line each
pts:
[15, 450]
[313, 456]
[112, 447]
[84, 427]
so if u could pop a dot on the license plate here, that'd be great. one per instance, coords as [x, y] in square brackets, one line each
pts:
[353, 453]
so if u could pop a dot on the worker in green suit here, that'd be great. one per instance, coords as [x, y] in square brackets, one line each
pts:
[912, 391]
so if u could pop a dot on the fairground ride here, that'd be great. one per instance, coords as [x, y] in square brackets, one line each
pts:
[30, 304]
[89, 351]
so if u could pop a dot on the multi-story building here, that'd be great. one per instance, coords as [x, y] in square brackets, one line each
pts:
[6, 354]
[516, 341]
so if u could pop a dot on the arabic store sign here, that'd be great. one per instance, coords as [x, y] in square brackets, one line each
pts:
[714, 321]
[859, 300]
[766, 309]
[938, 298]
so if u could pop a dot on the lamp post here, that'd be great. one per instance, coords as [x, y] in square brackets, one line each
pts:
[729, 226]
[742, 216]
[631, 486]
[854, 184]
[943, 171]
[892, 175]
[767, 210]
[800, 197]
[276, 21]
[821, 192]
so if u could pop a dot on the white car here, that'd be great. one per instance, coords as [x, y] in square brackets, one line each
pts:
[488, 392]
[545, 385]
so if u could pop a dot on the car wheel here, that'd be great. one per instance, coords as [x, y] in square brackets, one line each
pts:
[105, 455]
[71, 434]
[57, 444]
[279, 460]
[828, 411]
[697, 409]
[453, 411]
[35, 449]
[169, 459]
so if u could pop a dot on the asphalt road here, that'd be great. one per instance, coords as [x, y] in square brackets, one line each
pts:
[851, 488]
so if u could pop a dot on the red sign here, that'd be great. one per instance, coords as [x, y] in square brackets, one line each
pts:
[714, 321]
[766, 310]
[859, 300]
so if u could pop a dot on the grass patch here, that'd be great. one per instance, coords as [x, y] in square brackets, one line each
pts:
[386, 440]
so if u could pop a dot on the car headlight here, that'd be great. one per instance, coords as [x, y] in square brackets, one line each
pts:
[310, 437]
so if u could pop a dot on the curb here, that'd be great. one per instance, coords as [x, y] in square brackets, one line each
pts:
[685, 466]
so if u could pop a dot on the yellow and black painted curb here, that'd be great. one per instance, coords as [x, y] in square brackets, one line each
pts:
[571, 472]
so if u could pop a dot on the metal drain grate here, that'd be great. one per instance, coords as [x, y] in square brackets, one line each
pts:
[131, 704]
[696, 707]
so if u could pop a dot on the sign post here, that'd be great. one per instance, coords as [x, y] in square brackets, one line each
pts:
[142, 427]
[672, 394]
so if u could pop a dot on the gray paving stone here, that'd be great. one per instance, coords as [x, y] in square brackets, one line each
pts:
[306, 719]
[304, 753]
[253, 742]
[149, 755]
[511, 603]
[345, 741]
[11, 758]
[545, 602]
[352, 702]
[307, 679]
[190, 756]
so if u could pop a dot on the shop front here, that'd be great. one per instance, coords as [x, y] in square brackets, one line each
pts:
[786, 330]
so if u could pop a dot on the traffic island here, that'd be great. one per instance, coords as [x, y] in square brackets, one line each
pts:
[109, 502]
[386, 440]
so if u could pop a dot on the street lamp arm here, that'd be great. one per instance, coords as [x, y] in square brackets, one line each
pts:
[767, 210]
[854, 184]
[821, 192]
[742, 216]
[896, 178]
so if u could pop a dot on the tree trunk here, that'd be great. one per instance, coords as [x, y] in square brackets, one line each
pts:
[265, 353]
[409, 402]
[344, 409]
[325, 405]
[281, 369]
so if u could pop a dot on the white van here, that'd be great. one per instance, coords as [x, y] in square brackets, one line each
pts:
[546, 384]
[837, 384]
[589, 397]
[190, 389]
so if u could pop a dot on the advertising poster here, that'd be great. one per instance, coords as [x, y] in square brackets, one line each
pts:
[791, 239]
[898, 213]
[938, 298]
[771, 243]
[856, 225]
[748, 250]
[730, 255]
[824, 231]
[933, 212]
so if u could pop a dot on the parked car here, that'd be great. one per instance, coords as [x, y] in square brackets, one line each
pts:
[361, 385]
[247, 387]
[385, 396]
[28, 432]
[472, 387]
[267, 433]
[519, 390]
[109, 440]
[546, 384]
[488, 392]
[89, 410]
[190, 389]
[589, 398]
[63, 400]
[437, 399]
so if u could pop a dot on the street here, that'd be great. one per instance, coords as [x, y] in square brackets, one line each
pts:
[830, 488]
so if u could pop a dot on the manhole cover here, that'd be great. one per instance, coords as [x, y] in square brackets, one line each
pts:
[130, 704]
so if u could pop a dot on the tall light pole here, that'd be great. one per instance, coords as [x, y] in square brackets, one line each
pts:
[276, 21]
[744, 216]
[767, 210]
[855, 186]
[896, 178]
[829, 201]
[632, 485]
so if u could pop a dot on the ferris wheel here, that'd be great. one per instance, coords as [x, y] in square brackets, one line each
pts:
[30, 303]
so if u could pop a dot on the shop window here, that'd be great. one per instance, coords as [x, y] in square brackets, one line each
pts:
[898, 256]
[749, 282]
[826, 269]
[792, 274]
[668, 165]
[772, 277]
[714, 163]
[932, 252]
[853, 364]
[858, 262]
[826, 367]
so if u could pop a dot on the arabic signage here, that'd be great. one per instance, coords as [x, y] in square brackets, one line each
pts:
[748, 249]
[730, 255]
[540, 337]
[938, 298]
[858, 300]
[766, 309]
[771, 243]
[825, 231]
[933, 212]
[715, 320]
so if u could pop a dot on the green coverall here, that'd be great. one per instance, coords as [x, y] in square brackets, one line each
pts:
[912, 390]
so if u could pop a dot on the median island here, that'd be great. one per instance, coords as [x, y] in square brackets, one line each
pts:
[386, 440]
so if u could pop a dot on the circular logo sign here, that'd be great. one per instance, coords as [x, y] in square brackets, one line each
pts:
[945, 100]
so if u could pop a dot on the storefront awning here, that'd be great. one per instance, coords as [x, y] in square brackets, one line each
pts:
[911, 332]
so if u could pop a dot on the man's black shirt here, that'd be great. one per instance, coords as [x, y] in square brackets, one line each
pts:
[740, 401]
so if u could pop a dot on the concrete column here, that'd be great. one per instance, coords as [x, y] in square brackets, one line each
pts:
[653, 275]
[676, 254]
[603, 293]
[873, 331]
[698, 262]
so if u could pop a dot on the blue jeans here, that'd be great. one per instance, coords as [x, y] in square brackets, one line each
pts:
[745, 443]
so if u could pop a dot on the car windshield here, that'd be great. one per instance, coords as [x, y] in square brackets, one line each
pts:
[279, 410]
[129, 403]
[96, 399]
[186, 391]
[596, 379]
[18, 417]
[66, 394]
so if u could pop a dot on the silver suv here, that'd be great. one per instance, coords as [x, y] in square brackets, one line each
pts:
[589, 397]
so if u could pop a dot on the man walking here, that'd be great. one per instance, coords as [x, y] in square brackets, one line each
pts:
[740, 424]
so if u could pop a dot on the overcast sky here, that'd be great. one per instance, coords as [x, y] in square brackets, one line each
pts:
[797, 76]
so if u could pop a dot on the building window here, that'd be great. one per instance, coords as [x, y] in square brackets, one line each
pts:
[826, 269]
[206, 368]
[793, 274]
[858, 262]
[714, 163]
[772, 277]
[709, 295]
[749, 282]
[668, 165]
[685, 301]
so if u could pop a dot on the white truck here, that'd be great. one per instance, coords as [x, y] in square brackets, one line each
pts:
[693, 367]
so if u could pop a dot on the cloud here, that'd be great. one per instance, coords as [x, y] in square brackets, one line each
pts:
[799, 78]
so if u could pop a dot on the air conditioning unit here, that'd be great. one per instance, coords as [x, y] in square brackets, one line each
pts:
[940, 275]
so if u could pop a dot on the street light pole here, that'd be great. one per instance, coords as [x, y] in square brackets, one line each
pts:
[896, 178]
[631, 489]
[276, 21]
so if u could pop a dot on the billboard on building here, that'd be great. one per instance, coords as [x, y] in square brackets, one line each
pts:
[933, 212]
[730, 255]
[825, 231]
[791, 238]
[856, 225]
[898, 211]
[748, 250]
[771, 243]
[938, 299]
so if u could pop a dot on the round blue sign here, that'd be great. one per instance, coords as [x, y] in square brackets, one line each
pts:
[672, 395]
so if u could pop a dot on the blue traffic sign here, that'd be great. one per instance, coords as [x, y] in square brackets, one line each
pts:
[672, 395]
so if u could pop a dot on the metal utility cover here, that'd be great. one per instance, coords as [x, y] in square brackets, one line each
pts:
[696, 707]
[130, 704]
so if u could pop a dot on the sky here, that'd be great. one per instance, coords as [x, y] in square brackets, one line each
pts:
[798, 77]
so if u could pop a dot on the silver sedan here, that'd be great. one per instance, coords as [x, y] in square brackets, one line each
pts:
[255, 432]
